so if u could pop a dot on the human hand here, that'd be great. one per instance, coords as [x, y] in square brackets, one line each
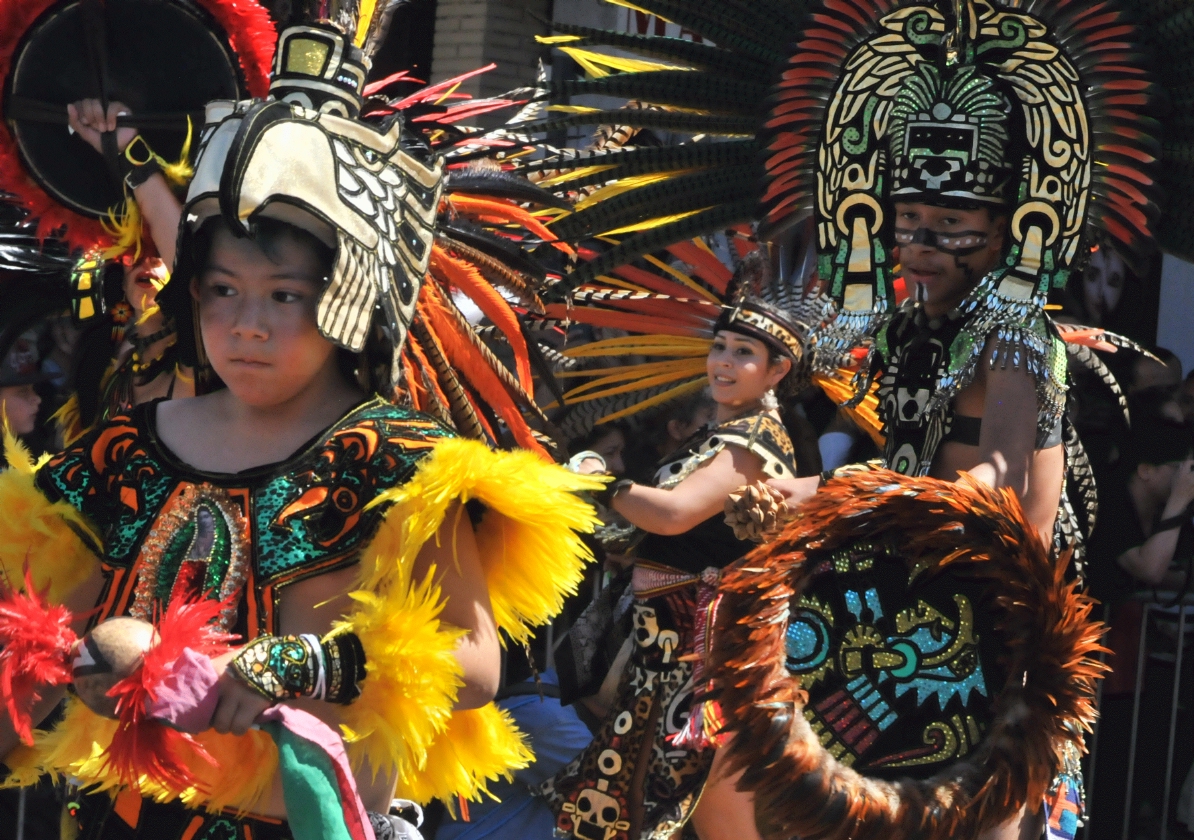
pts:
[239, 705]
[1181, 489]
[89, 120]
[586, 463]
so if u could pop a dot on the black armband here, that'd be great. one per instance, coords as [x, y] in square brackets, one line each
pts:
[344, 658]
[135, 169]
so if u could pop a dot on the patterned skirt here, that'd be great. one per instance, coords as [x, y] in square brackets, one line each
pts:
[632, 782]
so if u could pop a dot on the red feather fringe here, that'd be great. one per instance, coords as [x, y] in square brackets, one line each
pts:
[142, 746]
[252, 36]
[35, 650]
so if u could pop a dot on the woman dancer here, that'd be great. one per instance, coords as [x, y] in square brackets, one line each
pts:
[641, 776]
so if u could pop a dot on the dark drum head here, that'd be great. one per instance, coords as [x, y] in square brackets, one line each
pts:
[162, 58]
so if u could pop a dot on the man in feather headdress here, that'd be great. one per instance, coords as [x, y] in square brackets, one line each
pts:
[964, 168]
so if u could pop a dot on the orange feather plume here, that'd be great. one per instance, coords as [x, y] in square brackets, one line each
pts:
[465, 277]
[467, 362]
[503, 212]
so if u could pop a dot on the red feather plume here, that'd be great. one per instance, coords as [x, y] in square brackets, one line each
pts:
[35, 647]
[141, 745]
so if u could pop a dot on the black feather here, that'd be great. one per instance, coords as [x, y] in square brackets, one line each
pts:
[704, 56]
[645, 118]
[678, 194]
[496, 246]
[498, 182]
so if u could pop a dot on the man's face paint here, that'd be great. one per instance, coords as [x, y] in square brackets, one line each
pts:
[960, 244]
[945, 251]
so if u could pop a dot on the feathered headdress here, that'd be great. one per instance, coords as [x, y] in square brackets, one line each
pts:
[1046, 106]
[387, 184]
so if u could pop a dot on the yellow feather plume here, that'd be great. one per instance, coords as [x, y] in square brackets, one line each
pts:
[667, 396]
[532, 556]
[244, 769]
[628, 5]
[44, 534]
[599, 65]
[529, 539]
[579, 172]
[364, 18]
[124, 226]
[651, 224]
[623, 185]
[480, 745]
[413, 676]
[642, 345]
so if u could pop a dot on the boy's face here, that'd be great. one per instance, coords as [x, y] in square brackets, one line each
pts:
[945, 252]
[19, 403]
[257, 316]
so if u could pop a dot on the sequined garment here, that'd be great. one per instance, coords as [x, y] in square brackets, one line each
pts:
[170, 531]
[897, 664]
[926, 362]
[633, 782]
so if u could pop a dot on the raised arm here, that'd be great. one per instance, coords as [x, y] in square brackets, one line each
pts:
[161, 210]
[695, 499]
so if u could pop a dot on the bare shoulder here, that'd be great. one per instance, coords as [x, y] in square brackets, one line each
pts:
[997, 382]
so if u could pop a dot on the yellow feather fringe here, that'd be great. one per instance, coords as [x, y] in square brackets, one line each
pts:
[531, 554]
[69, 421]
[479, 745]
[34, 531]
[651, 224]
[598, 65]
[530, 549]
[244, 765]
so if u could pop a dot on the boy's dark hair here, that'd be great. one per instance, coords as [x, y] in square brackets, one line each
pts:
[267, 234]
[194, 254]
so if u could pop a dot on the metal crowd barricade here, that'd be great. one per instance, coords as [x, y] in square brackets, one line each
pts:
[1185, 609]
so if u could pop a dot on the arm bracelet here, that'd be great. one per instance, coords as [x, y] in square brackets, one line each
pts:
[285, 667]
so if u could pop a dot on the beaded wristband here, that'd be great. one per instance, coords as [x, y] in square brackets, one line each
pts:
[285, 667]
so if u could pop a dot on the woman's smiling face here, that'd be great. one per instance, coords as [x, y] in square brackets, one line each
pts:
[740, 369]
